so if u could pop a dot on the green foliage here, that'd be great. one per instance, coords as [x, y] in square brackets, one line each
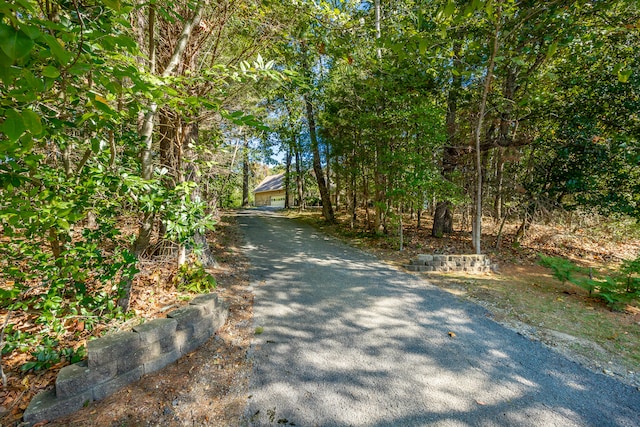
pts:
[186, 214]
[563, 269]
[192, 277]
[630, 272]
[47, 354]
[44, 349]
[615, 289]
[65, 148]
[588, 154]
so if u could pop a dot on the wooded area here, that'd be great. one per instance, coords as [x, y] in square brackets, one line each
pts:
[126, 126]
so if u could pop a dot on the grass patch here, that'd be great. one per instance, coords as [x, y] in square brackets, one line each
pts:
[530, 295]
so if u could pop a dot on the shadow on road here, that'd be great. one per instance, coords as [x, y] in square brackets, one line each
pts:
[347, 341]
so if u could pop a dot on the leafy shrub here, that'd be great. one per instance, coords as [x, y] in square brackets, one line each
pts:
[192, 277]
[563, 269]
[615, 289]
[47, 354]
[631, 272]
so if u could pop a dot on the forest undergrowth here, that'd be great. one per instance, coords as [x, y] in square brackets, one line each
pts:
[33, 359]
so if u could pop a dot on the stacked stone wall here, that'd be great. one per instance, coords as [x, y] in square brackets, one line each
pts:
[124, 357]
[446, 263]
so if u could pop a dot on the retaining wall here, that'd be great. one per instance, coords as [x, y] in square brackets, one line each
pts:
[123, 357]
[445, 263]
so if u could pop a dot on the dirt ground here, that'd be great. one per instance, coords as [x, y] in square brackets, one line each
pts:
[206, 387]
[210, 385]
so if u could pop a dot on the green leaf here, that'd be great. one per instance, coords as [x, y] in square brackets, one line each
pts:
[95, 145]
[59, 52]
[102, 104]
[31, 31]
[551, 50]
[13, 125]
[624, 75]
[15, 44]
[113, 4]
[449, 9]
[618, 67]
[63, 224]
[32, 122]
[423, 46]
[79, 68]
[5, 67]
[51, 72]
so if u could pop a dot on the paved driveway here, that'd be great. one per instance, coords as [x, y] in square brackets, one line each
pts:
[348, 341]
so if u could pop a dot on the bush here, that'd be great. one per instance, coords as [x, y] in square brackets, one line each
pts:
[192, 277]
[615, 289]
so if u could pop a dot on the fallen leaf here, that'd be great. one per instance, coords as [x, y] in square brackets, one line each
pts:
[451, 334]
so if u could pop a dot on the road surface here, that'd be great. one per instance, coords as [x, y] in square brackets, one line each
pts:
[344, 340]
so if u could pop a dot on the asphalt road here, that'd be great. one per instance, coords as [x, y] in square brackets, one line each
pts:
[348, 341]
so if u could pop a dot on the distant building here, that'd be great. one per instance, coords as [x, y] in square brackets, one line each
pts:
[270, 192]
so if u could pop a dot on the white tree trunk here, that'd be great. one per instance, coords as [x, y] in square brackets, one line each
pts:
[477, 228]
[378, 30]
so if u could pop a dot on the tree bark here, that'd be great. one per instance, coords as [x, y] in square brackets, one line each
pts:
[477, 228]
[378, 18]
[299, 181]
[245, 173]
[443, 217]
[497, 201]
[146, 133]
[287, 178]
[327, 210]
[192, 174]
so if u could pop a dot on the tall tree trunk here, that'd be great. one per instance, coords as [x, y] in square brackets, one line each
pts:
[337, 184]
[477, 224]
[167, 126]
[443, 217]
[327, 175]
[365, 198]
[192, 174]
[287, 178]
[327, 210]
[378, 18]
[354, 200]
[497, 201]
[379, 203]
[245, 172]
[299, 181]
[146, 135]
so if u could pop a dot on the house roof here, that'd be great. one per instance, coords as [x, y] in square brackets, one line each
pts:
[271, 183]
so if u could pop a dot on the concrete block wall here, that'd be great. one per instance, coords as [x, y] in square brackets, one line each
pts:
[446, 263]
[124, 357]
